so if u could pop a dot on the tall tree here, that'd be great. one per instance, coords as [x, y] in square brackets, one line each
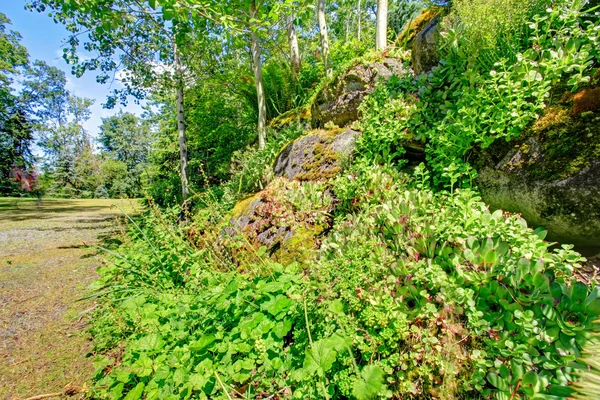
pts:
[293, 41]
[358, 21]
[132, 38]
[126, 142]
[58, 116]
[258, 76]
[16, 141]
[324, 37]
[16, 134]
[382, 23]
[13, 55]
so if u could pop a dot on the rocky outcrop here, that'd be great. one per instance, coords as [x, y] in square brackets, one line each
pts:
[551, 175]
[287, 219]
[424, 48]
[316, 156]
[338, 103]
[406, 39]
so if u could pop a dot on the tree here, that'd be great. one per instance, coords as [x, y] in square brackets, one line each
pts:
[382, 22]
[57, 118]
[324, 37]
[16, 133]
[130, 37]
[16, 140]
[126, 141]
[13, 56]
[293, 41]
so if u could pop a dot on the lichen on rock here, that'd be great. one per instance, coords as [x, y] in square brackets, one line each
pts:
[286, 219]
[316, 156]
[338, 102]
[551, 173]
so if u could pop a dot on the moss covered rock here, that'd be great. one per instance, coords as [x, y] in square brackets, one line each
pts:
[316, 156]
[424, 49]
[551, 174]
[286, 219]
[338, 102]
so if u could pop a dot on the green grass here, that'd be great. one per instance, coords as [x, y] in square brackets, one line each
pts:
[45, 266]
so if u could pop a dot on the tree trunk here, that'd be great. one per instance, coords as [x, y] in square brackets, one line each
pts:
[358, 16]
[258, 80]
[183, 154]
[382, 17]
[293, 39]
[324, 37]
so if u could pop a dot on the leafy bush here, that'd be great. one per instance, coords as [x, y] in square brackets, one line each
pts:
[402, 13]
[488, 30]
[458, 107]
[415, 294]
[251, 169]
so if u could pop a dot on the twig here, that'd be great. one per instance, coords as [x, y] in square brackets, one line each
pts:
[514, 393]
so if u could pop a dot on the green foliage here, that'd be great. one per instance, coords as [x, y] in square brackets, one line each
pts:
[402, 13]
[16, 141]
[251, 169]
[487, 31]
[415, 294]
[13, 55]
[385, 120]
[458, 106]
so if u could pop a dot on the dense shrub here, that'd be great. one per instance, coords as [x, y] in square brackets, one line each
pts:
[459, 106]
[414, 293]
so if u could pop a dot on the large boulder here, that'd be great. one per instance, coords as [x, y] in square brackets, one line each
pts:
[286, 219]
[338, 102]
[406, 39]
[316, 156]
[424, 49]
[551, 175]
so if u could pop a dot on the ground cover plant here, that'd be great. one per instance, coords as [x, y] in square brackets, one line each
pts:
[414, 288]
[414, 294]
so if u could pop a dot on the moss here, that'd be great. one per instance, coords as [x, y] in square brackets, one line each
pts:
[243, 206]
[324, 162]
[566, 143]
[586, 100]
[299, 247]
[417, 25]
[295, 116]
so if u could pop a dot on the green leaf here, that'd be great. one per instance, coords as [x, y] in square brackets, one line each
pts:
[563, 391]
[152, 4]
[371, 383]
[277, 305]
[320, 358]
[490, 258]
[151, 342]
[143, 366]
[540, 280]
[201, 343]
[530, 378]
[497, 381]
[136, 393]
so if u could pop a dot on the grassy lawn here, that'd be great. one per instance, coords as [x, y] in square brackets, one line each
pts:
[45, 266]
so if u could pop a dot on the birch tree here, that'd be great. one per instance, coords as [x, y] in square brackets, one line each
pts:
[382, 21]
[324, 37]
[293, 41]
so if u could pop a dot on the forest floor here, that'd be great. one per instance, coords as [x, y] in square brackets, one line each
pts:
[45, 267]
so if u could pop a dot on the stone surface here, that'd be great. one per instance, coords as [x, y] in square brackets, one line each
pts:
[316, 156]
[286, 219]
[338, 103]
[551, 176]
[424, 50]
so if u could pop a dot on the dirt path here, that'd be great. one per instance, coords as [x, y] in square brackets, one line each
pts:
[44, 269]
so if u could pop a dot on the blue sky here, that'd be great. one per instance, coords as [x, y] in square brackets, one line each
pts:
[44, 39]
